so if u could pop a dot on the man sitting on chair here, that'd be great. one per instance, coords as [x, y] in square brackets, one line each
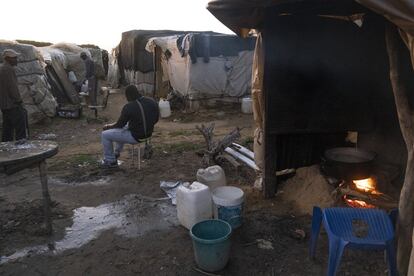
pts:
[136, 122]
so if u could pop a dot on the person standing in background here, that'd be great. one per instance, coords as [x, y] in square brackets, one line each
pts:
[90, 76]
[11, 105]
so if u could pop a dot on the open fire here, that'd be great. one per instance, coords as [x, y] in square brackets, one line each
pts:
[364, 194]
[366, 185]
[356, 203]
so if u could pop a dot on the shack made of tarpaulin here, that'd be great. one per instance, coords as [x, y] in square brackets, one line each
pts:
[205, 65]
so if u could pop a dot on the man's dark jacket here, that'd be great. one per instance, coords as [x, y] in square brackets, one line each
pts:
[9, 91]
[131, 114]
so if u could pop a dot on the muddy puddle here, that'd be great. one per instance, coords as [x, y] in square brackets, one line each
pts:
[132, 216]
[97, 181]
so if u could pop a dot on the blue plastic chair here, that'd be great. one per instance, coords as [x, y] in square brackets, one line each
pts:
[338, 223]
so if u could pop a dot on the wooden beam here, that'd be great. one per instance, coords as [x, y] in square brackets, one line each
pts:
[269, 174]
[395, 49]
[46, 197]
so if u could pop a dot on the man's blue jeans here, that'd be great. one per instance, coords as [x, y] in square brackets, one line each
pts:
[118, 135]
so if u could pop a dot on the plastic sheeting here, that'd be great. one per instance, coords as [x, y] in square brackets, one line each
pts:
[132, 51]
[143, 81]
[113, 69]
[198, 79]
[239, 74]
[68, 55]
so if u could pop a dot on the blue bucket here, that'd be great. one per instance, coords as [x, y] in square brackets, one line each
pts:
[211, 243]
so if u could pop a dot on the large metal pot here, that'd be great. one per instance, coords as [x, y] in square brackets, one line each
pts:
[348, 163]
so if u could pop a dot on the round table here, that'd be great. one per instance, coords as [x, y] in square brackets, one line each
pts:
[16, 156]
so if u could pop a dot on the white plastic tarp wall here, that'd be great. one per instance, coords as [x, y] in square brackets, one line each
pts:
[175, 68]
[113, 69]
[207, 79]
[56, 54]
[240, 74]
[221, 76]
[143, 81]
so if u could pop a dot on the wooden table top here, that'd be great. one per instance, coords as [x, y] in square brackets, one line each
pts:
[32, 150]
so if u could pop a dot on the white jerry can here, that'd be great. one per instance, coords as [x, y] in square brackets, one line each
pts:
[212, 176]
[194, 204]
[165, 109]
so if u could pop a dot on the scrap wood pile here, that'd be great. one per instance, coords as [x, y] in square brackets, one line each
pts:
[225, 149]
[215, 148]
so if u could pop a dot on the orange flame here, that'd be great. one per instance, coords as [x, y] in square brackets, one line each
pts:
[357, 203]
[366, 185]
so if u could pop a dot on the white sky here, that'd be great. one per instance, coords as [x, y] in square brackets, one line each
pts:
[101, 22]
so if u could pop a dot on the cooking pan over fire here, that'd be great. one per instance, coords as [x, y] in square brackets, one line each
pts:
[348, 163]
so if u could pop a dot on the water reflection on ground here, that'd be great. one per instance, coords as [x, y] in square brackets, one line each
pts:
[132, 216]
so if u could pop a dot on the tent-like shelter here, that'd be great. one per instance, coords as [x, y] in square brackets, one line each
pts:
[135, 64]
[197, 65]
[204, 65]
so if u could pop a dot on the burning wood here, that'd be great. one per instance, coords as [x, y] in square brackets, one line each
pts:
[366, 185]
[363, 194]
[357, 203]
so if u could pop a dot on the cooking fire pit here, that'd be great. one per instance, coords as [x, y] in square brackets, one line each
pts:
[356, 184]
[348, 163]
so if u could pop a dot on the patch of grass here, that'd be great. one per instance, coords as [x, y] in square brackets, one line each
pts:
[77, 160]
[180, 147]
[82, 159]
[247, 142]
[183, 133]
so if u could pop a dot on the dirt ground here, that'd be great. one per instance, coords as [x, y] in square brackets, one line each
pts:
[118, 223]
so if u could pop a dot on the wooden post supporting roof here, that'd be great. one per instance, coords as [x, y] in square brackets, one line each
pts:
[406, 118]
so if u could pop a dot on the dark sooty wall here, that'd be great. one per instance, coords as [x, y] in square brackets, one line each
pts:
[327, 76]
[321, 74]
[386, 139]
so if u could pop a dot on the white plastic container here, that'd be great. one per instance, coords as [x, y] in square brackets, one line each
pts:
[246, 105]
[212, 176]
[193, 204]
[228, 205]
[84, 87]
[72, 77]
[165, 109]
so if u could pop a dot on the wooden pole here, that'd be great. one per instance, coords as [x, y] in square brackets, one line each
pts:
[411, 266]
[46, 197]
[269, 172]
[406, 118]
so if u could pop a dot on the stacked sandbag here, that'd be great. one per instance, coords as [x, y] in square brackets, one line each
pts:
[33, 86]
